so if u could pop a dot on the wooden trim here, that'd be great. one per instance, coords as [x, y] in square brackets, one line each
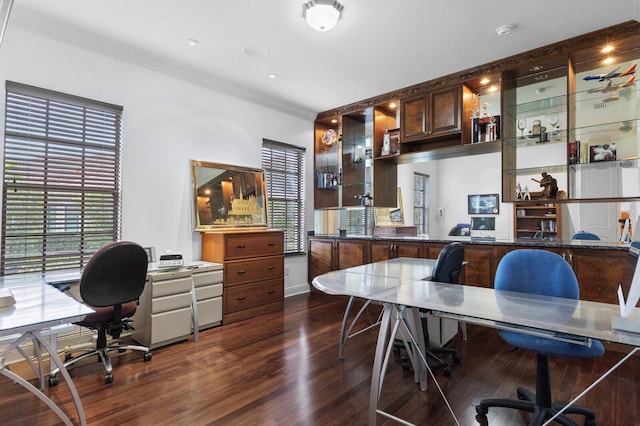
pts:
[623, 30]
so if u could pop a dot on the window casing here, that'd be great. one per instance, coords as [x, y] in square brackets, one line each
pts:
[61, 183]
[421, 202]
[284, 167]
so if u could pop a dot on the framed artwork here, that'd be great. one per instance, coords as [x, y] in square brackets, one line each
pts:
[226, 196]
[483, 204]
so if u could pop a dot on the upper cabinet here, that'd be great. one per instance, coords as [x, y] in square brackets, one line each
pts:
[569, 111]
[350, 170]
[431, 115]
[574, 118]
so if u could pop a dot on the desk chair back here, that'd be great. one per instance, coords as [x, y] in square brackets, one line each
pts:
[583, 235]
[448, 264]
[115, 274]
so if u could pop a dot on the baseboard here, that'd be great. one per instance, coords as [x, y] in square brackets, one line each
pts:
[297, 289]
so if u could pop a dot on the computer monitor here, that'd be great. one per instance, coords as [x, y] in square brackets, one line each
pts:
[483, 227]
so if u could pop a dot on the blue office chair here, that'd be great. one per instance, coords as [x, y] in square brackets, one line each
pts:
[545, 273]
[584, 235]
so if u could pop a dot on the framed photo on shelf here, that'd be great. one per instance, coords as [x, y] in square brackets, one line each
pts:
[394, 142]
[602, 153]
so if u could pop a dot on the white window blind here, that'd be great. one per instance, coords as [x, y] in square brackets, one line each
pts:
[284, 167]
[61, 192]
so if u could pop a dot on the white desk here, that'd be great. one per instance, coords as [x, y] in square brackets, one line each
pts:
[398, 285]
[39, 307]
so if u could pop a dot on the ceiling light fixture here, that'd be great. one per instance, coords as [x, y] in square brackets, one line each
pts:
[322, 15]
[192, 42]
[504, 30]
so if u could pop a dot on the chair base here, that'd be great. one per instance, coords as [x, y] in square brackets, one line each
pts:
[103, 354]
[527, 402]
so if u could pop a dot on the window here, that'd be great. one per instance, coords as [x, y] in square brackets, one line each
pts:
[421, 202]
[284, 167]
[61, 192]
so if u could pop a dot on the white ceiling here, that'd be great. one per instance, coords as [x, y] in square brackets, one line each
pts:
[377, 47]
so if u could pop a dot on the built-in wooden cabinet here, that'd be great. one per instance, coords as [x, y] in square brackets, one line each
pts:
[430, 115]
[253, 271]
[384, 250]
[538, 218]
[329, 254]
[348, 168]
[599, 270]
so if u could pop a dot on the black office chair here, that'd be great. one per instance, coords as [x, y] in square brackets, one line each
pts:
[447, 270]
[544, 273]
[111, 284]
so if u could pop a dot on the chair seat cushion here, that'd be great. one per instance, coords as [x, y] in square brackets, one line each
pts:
[105, 314]
[552, 347]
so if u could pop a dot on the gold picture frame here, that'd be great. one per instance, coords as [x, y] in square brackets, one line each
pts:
[227, 196]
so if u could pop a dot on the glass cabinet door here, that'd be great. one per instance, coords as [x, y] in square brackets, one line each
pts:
[357, 159]
[535, 130]
[605, 112]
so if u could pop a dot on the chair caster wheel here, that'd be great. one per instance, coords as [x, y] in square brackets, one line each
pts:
[53, 381]
[147, 356]
[482, 410]
[447, 371]
[108, 378]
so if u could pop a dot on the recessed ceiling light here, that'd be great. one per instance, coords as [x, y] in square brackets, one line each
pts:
[535, 68]
[393, 105]
[192, 42]
[608, 48]
[504, 30]
[255, 51]
[273, 76]
[485, 81]
[608, 60]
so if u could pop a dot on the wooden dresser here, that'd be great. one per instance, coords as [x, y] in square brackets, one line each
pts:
[253, 271]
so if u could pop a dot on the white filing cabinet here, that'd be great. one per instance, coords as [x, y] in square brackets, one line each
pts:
[164, 315]
[207, 280]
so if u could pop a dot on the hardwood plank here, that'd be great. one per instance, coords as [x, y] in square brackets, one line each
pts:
[283, 369]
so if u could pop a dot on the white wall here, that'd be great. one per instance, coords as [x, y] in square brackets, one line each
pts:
[166, 123]
[451, 180]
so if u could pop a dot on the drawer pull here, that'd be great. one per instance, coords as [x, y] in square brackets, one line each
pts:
[240, 246]
[240, 298]
[271, 268]
[241, 272]
[272, 244]
[271, 291]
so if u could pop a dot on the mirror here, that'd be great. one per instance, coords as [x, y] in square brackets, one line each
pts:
[227, 196]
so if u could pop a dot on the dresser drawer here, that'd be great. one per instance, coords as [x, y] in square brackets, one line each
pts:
[249, 295]
[244, 271]
[253, 244]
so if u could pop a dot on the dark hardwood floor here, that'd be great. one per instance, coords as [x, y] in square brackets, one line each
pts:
[283, 369]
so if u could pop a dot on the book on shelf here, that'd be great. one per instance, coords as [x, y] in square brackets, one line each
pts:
[579, 152]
